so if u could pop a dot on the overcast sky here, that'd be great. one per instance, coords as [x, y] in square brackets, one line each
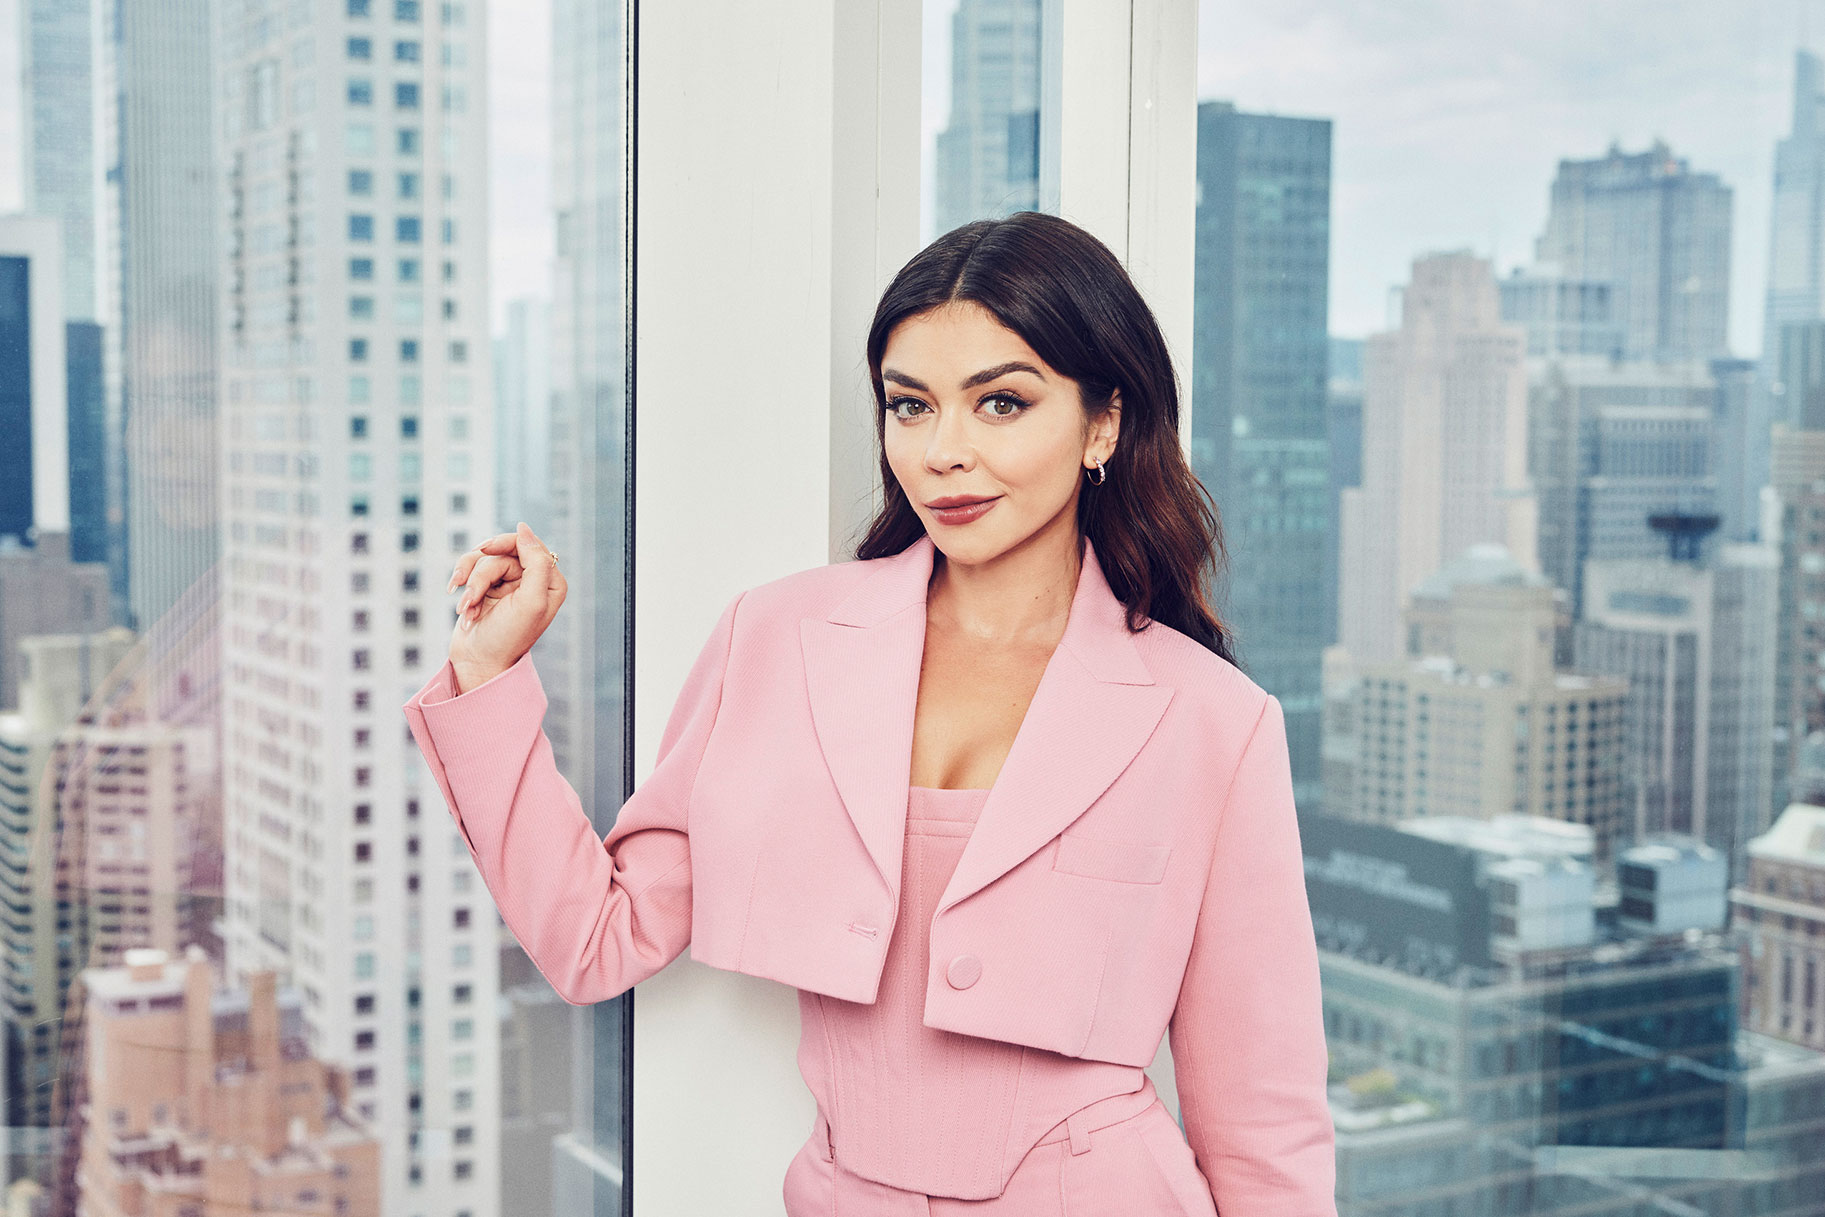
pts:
[1449, 118]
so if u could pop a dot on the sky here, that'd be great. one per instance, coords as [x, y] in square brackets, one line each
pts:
[1449, 119]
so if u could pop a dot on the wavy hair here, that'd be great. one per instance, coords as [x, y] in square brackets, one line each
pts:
[1157, 531]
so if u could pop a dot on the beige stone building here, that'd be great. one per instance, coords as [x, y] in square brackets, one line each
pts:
[1475, 720]
[206, 1103]
[1779, 913]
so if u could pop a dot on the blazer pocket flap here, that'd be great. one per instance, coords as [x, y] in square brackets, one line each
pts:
[1123, 861]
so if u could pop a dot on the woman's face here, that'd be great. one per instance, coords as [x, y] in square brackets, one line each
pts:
[972, 411]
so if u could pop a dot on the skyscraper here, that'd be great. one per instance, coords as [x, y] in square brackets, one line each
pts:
[1444, 429]
[1259, 391]
[158, 223]
[354, 369]
[988, 157]
[1660, 235]
[59, 148]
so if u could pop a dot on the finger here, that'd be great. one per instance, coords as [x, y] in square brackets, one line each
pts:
[534, 556]
[500, 543]
[488, 571]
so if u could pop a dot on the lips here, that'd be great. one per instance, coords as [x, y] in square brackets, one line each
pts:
[961, 500]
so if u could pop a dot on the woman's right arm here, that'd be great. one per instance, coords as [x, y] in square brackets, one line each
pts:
[597, 915]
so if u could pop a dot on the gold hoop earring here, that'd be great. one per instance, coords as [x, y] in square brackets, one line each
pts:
[1102, 475]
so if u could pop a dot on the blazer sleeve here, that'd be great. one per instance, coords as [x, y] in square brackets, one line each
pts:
[1247, 1035]
[597, 915]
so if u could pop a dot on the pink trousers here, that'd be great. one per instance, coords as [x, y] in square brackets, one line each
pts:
[1122, 1156]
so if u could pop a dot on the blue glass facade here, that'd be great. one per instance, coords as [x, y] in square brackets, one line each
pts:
[1260, 354]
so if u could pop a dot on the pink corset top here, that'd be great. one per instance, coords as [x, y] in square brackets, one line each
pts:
[919, 1108]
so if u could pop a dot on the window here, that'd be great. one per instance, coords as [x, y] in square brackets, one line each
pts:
[361, 228]
[408, 350]
[449, 232]
[405, 10]
[361, 468]
[459, 426]
[364, 960]
[410, 388]
[358, 429]
[359, 387]
[405, 229]
[408, 270]
[408, 185]
[358, 350]
[358, 139]
[358, 8]
[449, 310]
[361, 268]
[361, 48]
[408, 141]
[459, 351]
[405, 95]
[361, 308]
[409, 308]
[361, 92]
[405, 51]
[361, 181]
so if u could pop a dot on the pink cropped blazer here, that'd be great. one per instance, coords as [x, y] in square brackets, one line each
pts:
[1135, 871]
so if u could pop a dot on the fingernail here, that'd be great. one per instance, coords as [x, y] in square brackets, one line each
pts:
[468, 623]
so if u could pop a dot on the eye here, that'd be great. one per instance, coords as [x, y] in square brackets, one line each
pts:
[1017, 404]
[894, 404]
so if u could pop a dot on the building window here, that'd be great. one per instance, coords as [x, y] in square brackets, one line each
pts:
[405, 230]
[405, 94]
[405, 10]
[361, 308]
[361, 92]
[358, 429]
[359, 387]
[361, 228]
[361, 181]
[408, 185]
[358, 8]
[358, 350]
[408, 141]
[408, 350]
[361, 268]
[361, 48]
[459, 351]
[408, 270]
[449, 232]
[408, 427]
[358, 140]
[405, 51]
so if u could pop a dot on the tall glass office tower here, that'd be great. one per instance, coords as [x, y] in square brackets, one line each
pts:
[1258, 396]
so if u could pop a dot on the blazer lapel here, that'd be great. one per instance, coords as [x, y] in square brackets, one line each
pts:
[1094, 708]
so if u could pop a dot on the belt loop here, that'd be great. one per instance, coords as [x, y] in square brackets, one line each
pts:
[1078, 1126]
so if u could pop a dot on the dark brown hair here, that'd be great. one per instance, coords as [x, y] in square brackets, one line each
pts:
[1155, 527]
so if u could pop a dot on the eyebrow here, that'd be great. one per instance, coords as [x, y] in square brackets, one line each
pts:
[980, 378]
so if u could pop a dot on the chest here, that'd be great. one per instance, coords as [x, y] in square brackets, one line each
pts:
[972, 699]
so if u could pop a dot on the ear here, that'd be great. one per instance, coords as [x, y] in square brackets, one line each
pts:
[1108, 428]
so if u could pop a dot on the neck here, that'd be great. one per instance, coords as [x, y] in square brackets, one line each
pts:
[1020, 595]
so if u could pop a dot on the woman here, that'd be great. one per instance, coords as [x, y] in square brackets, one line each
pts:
[993, 796]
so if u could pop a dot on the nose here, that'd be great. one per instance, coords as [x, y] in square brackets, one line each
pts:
[948, 443]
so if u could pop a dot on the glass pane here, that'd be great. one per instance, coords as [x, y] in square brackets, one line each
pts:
[1500, 471]
[982, 111]
[270, 362]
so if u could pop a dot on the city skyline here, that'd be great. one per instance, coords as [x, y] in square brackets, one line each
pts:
[1569, 82]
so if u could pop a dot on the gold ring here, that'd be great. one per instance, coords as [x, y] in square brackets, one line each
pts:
[554, 556]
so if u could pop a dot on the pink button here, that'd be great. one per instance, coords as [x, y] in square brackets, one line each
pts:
[965, 970]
